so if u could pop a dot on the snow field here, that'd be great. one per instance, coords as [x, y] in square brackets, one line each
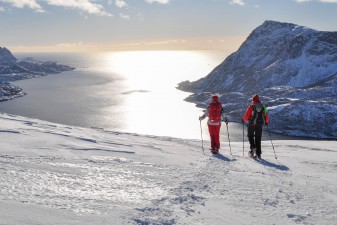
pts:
[57, 174]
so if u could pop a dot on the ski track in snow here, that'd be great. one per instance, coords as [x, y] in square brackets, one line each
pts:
[96, 177]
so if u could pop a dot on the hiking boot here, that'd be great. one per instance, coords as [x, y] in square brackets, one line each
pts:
[215, 150]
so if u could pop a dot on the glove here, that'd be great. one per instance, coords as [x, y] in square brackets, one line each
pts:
[226, 120]
[266, 124]
[201, 118]
[242, 121]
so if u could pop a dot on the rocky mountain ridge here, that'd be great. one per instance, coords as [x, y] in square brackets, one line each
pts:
[6, 56]
[293, 68]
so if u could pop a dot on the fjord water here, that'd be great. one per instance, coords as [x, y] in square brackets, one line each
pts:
[131, 92]
[121, 91]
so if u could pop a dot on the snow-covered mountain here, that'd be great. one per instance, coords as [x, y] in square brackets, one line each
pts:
[55, 174]
[12, 69]
[292, 67]
[6, 56]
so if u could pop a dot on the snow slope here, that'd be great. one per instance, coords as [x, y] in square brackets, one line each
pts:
[58, 174]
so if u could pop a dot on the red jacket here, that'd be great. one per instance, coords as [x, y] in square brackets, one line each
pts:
[249, 113]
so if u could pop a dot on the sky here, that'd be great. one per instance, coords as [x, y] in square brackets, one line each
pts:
[108, 25]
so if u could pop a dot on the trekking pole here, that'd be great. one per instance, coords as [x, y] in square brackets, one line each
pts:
[272, 144]
[243, 139]
[229, 141]
[202, 140]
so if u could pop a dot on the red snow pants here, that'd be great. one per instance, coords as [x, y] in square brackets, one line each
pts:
[214, 133]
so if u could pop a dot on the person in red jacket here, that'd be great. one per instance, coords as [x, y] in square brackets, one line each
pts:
[215, 115]
[257, 116]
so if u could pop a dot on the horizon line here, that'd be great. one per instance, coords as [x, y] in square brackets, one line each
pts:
[223, 43]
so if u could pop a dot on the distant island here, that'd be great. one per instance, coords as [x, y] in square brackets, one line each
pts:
[12, 69]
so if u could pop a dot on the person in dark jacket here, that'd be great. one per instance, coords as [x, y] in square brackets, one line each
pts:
[257, 116]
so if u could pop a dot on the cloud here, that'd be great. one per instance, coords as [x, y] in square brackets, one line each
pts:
[83, 5]
[120, 3]
[32, 4]
[86, 6]
[322, 1]
[154, 43]
[165, 42]
[237, 2]
[76, 44]
[158, 1]
[2, 9]
[124, 16]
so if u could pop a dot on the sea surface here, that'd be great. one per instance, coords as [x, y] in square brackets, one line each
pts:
[132, 92]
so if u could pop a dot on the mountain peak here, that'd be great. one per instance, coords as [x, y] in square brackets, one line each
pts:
[6, 55]
[273, 23]
[270, 29]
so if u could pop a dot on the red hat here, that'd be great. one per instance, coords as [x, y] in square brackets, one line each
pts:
[215, 98]
[256, 98]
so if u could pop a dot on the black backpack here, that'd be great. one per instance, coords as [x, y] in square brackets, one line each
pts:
[258, 116]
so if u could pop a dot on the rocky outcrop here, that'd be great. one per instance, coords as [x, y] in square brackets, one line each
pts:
[12, 69]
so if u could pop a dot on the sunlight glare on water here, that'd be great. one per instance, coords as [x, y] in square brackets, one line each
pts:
[131, 91]
[157, 69]
[151, 102]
